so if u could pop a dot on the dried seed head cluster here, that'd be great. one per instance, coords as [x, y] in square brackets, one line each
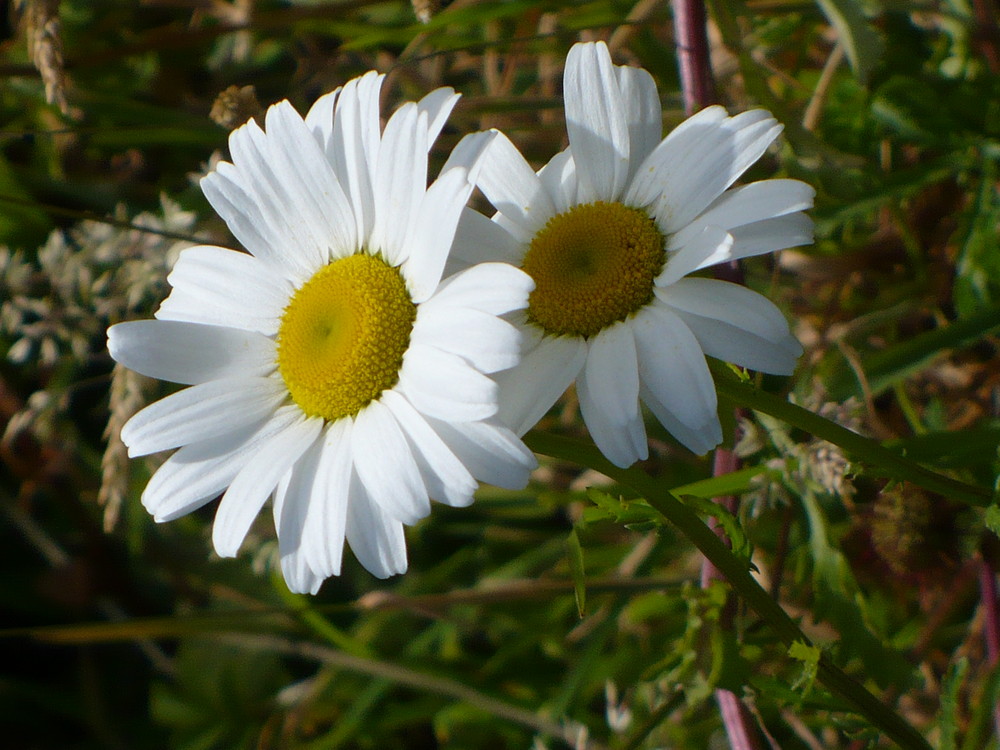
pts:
[84, 278]
[58, 304]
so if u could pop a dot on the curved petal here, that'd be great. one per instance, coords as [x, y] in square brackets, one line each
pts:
[376, 538]
[385, 465]
[490, 451]
[199, 471]
[438, 105]
[190, 353]
[673, 370]
[485, 341]
[221, 287]
[494, 288]
[608, 388]
[735, 324]
[595, 122]
[771, 235]
[445, 386]
[400, 182]
[697, 162]
[202, 412]
[529, 390]
[754, 202]
[710, 246]
[512, 186]
[256, 481]
[446, 478]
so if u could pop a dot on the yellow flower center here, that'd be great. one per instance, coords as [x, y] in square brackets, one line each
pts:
[593, 266]
[343, 336]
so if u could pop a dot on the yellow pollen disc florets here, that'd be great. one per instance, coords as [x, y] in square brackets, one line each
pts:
[343, 336]
[593, 266]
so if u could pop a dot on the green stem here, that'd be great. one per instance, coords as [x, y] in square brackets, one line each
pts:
[738, 575]
[882, 461]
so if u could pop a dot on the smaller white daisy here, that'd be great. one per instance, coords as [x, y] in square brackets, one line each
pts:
[609, 230]
[331, 367]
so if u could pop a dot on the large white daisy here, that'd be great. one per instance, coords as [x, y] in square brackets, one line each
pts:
[331, 367]
[609, 230]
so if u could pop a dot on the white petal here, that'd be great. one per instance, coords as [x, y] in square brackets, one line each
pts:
[190, 353]
[754, 202]
[256, 481]
[485, 341]
[479, 240]
[608, 388]
[270, 187]
[529, 390]
[697, 162]
[437, 218]
[376, 538]
[643, 113]
[306, 179]
[385, 465]
[293, 500]
[354, 146]
[253, 225]
[560, 180]
[198, 472]
[221, 287]
[400, 182]
[512, 186]
[771, 235]
[673, 370]
[710, 246]
[595, 122]
[319, 118]
[734, 323]
[326, 522]
[494, 288]
[445, 386]
[202, 412]
[446, 478]
[490, 451]
[438, 105]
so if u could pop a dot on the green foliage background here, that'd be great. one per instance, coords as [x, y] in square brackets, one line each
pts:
[568, 614]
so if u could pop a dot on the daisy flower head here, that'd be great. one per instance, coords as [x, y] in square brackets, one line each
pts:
[610, 230]
[331, 367]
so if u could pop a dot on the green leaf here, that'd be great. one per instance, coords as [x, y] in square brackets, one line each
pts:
[634, 514]
[992, 519]
[886, 368]
[862, 43]
[977, 281]
[574, 553]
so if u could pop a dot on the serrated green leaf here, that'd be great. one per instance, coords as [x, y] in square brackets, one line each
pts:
[741, 546]
[809, 656]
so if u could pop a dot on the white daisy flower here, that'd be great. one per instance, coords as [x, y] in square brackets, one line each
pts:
[331, 367]
[609, 230]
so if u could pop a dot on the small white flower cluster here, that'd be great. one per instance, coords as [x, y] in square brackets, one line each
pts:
[380, 345]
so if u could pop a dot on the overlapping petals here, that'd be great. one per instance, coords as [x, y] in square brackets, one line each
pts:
[299, 194]
[684, 182]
